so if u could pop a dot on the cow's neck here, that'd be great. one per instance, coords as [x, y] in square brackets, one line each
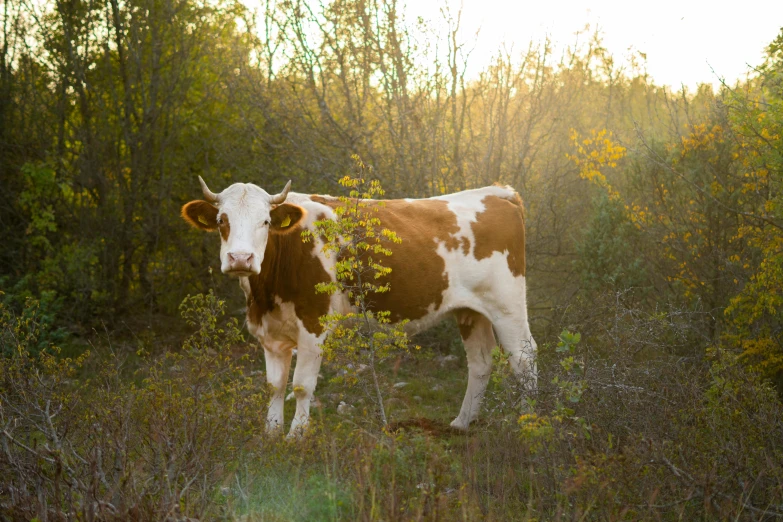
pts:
[288, 274]
[262, 289]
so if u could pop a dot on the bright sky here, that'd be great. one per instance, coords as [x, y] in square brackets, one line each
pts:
[684, 40]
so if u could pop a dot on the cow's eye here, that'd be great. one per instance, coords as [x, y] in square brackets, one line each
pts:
[267, 223]
[219, 221]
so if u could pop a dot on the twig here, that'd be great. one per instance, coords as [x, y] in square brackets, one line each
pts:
[682, 474]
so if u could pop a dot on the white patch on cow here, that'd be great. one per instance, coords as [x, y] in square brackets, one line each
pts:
[469, 197]
[277, 355]
[244, 284]
[281, 333]
[488, 287]
[316, 211]
[468, 204]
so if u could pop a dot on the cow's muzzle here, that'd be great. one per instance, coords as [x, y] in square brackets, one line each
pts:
[240, 263]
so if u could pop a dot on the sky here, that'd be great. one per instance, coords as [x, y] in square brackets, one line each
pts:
[686, 42]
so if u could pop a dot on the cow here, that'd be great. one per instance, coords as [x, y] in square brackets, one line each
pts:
[461, 254]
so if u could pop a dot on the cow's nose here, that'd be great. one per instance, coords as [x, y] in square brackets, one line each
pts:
[240, 260]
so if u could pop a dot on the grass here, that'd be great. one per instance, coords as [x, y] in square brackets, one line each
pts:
[345, 465]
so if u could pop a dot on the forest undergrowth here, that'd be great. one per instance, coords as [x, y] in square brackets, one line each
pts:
[623, 427]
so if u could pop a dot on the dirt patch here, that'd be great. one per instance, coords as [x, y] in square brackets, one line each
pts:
[432, 427]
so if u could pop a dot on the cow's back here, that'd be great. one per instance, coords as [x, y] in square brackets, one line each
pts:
[452, 247]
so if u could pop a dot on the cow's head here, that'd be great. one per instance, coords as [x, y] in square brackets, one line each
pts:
[245, 215]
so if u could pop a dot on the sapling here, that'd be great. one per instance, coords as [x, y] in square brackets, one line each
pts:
[362, 337]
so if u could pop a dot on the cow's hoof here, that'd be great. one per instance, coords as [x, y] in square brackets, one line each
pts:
[459, 424]
[274, 428]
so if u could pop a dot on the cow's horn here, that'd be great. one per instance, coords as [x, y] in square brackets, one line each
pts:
[208, 194]
[281, 197]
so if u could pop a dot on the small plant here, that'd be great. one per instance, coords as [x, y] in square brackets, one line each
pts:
[535, 430]
[501, 368]
[28, 322]
[364, 337]
[573, 385]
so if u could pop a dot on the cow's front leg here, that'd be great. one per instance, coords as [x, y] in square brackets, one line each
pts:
[278, 363]
[308, 364]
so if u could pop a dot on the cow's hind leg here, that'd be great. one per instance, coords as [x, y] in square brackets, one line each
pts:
[278, 364]
[515, 338]
[477, 336]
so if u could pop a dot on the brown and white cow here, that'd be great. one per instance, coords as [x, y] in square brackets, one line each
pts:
[461, 254]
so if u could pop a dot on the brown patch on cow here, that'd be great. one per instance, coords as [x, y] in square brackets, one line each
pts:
[418, 277]
[465, 245]
[200, 214]
[224, 226]
[452, 243]
[284, 218]
[289, 271]
[326, 200]
[501, 228]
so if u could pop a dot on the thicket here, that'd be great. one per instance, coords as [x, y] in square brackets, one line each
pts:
[654, 225]
[110, 111]
[110, 437]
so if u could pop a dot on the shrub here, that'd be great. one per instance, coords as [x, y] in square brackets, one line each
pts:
[114, 446]
[28, 326]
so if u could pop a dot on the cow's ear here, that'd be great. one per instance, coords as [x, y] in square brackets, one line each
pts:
[200, 214]
[285, 217]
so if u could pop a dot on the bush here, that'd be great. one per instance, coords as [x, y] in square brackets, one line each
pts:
[149, 445]
[626, 427]
[28, 325]
[608, 253]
